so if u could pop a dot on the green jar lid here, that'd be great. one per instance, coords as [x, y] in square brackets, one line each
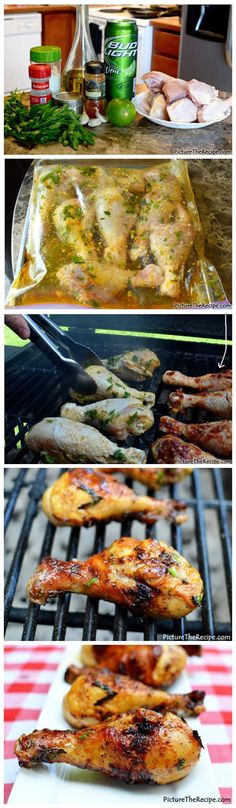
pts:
[45, 53]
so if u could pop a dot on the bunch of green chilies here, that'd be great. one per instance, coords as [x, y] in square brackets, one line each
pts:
[34, 125]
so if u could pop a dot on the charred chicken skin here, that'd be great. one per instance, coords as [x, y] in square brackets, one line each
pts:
[97, 694]
[140, 747]
[171, 449]
[120, 417]
[210, 382]
[219, 403]
[149, 578]
[138, 364]
[215, 436]
[109, 386]
[87, 496]
[154, 665]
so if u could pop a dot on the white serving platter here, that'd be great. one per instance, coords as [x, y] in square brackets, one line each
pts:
[61, 784]
[140, 106]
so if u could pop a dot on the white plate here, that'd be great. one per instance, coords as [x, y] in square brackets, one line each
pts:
[139, 103]
[63, 784]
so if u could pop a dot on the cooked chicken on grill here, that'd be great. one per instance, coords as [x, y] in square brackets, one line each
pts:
[149, 578]
[138, 364]
[219, 403]
[109, 386]
[97, 694]
[215, 436]
[155, 665]
[87, 496]
[210, 382]
[67, 441]
[163, 229]
[140, 747]
[153, 478]
[171, 449]
[120, 417]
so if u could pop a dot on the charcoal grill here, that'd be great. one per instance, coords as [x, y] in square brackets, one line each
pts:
[65, 617]
[36, 389]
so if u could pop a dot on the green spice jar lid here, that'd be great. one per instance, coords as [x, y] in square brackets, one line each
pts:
[45, 53]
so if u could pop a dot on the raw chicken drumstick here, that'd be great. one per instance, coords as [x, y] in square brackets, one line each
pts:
[171, 449]
[109, 386]
[215, 436]
[149, 578]
[219, 403]
[120, 417]
[97, 694]
[155, 665]
[67, 441]
[140, 747]
[210, 382]
[87, 496]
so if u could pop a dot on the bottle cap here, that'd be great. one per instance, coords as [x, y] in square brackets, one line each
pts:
[45, 53]
[94, 67]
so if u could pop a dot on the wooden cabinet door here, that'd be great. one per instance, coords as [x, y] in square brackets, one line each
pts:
[58, 29]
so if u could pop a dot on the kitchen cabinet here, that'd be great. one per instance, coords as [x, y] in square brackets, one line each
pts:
[58, 24]
[166, 39]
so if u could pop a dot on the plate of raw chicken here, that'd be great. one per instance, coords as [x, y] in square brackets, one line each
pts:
[180, 104]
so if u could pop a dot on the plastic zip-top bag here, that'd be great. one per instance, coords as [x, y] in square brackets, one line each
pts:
[114, 237]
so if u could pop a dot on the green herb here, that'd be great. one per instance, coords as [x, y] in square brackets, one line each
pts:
[197, 599]
[44, 124]
[47, 457]
[77, 259]
[107, 212]
[92, 581]
[178, 234]
[173, 572]
[49, 420]
[132, 418]
[85, 735]
[181, 764]
[72, 212]
[119, 455]
[89, 170]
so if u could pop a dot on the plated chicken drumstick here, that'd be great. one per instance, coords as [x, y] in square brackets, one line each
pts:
[215, 436]
[120, 417]
[155, 665]
[219, 403]
[67, 441]
[109, 386]
[97, 694]
[140, 747]
[210, 381]
[149, 578]
[87, 496]
[171, 449]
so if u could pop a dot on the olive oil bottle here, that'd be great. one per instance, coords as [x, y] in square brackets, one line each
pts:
[82, 51]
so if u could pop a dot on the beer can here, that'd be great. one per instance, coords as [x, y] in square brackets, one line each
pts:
[120, 56]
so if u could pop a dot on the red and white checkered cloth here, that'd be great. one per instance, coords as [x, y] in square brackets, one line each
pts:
[29, 672]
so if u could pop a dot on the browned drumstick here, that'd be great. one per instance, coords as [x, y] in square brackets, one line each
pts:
[215, 436]
[86, 496]
[147, 577]
[171, 449]
[219, 403]
[153, 478]
[97, 694]
[210, 382]
[155, 665]
[140, 747]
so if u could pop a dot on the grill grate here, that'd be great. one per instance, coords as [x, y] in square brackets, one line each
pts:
[88, 621]
[35, 389]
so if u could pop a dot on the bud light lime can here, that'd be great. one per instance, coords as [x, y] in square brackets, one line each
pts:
[120, 55]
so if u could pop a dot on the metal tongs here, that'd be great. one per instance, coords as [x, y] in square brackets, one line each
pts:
[70, 356]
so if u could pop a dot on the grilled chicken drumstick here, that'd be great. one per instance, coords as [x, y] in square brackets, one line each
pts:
[219, 403]
[69, 442]
[138, 364]
[87, 496]
[140, 747]
[215, 436]
[97, 694]
[210, 382]
[153, 478]
[149, 578]
[120, 417]
[155, 665]
[171, 449]
[109, 386]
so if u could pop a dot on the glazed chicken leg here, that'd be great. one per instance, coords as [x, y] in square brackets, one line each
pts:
[87, 496]
[219, 403]
[215, 436]
[131, 365]
[120, 417]
[153, 478]
[97, 694]
[149, 578]
[210, 382]
[171, 449]
[109, 386]
[67, 441]
[154, 665]
[140, 747]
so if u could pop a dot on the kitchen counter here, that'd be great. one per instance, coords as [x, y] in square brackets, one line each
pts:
[211, 182]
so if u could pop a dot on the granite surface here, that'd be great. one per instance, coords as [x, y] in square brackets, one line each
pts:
[211, 182]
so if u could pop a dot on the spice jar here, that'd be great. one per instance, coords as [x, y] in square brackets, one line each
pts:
[49, 55]
[94, 88]
[39, 75]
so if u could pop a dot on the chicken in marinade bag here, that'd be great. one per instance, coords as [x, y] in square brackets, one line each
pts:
[113, 237]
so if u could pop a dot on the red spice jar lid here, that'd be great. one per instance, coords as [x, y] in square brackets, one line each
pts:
[39, 71]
